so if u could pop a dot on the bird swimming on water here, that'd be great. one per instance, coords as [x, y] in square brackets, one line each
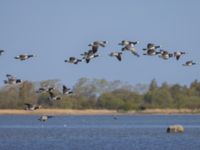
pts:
[45, 118]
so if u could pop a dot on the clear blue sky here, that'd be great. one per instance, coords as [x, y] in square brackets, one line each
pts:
[56, 30]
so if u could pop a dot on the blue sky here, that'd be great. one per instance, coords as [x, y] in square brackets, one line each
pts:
[56, 30]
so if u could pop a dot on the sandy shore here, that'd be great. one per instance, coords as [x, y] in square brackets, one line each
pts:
[95, 112]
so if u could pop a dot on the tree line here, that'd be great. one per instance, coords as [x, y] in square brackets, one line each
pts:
[103, 94]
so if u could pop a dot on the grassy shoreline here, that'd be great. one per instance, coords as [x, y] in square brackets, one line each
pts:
[96, 112]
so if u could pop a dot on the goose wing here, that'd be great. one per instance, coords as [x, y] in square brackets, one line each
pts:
[119, 57]
[177, 57]
[135, 53]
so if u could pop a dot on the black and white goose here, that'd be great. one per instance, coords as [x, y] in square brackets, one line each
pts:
[45, 118]
[165, 54]
[178, 54]
[42, 90]
[118, 55]
[23, 57]
[89, 55]
[151, 46]
[126, 42]
[189, 63]
[151, 52]
[1, 51]
[96, 44]
[31, 107]
[67, 91]
[53, 97]
[73, 60]
[131, 47]
[12, 80]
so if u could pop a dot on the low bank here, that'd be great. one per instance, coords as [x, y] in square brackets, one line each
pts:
[96, 112]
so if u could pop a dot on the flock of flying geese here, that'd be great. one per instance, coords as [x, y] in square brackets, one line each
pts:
[150, 50]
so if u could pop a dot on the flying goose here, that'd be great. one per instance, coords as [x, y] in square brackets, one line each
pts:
[126, 42]
[151, 46]
[12, 79]
[189, 63]
[151, 52]
[31, 107]
[131, 48]
[66, 90]
[53, 97]
[89, 55]
[45, 118]
[50, 89]
[1, 51]
[165, 54]
[41, 90]
[118, 55]
[96, 44]
[73, 60]
[24, 56]
[178, 54]
[45, 89]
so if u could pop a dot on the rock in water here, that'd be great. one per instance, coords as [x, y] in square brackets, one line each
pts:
[175, 129]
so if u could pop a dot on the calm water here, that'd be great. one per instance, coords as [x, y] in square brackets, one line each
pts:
[138, 132]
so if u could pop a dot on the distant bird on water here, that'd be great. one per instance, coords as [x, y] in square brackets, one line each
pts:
[23, 57]
[45, 118]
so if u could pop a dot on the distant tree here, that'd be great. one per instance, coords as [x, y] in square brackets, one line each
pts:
[153, 85]
[83, 87]
[196, 86]
[27, 93]
[103, 94]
